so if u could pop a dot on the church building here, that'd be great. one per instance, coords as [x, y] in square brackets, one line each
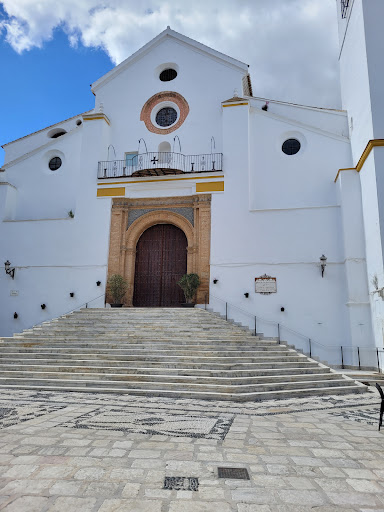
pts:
[180, 167]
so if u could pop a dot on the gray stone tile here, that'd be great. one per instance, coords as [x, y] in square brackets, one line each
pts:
[118, 505]
[188, 506]
[365, 486]
[66, 488]
[27, 504]
[66, 504]
[304, 497]
[89, 473]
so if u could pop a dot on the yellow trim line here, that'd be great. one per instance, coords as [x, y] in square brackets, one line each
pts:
[160, 181]
[374, 143]
[108, 192]
[210, 186]
[235, 104]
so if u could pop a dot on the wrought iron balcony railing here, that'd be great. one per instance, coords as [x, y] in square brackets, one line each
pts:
[160, 164]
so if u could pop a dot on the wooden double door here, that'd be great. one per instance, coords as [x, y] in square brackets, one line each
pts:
[161, 260]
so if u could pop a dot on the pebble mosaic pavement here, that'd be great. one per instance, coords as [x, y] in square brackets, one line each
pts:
[111, 453]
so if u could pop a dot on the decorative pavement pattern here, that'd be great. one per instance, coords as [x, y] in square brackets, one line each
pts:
[369, 416]
[162, 423]
[71, 452]
[14, 415]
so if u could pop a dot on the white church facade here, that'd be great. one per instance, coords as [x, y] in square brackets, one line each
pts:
[277, 207]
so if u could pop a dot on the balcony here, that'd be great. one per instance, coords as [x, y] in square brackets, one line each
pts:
[160, 164]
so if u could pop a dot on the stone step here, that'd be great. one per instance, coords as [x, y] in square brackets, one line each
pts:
[160, 356]
[303, 362]
[161, 352]
[138, 332]
[119, 380]
[155, 351]
[200, 395]
[110, 374]
[140, 344]
[110, 366]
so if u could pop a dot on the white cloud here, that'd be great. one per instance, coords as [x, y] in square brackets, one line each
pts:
[291, 45]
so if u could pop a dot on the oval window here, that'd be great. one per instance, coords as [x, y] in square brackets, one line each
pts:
[291, 147]
[55, 163]
[168, 74]
[166, 116]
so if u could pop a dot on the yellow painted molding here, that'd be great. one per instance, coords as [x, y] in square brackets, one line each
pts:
[347, 169]
[156, 180]
[95, 117]
[235, 104]
[211, 186]
[374, 143]
[108, 192]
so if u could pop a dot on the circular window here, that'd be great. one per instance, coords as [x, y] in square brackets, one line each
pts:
[55, 163]
[168, 74]
[166, 116]
[291, 147]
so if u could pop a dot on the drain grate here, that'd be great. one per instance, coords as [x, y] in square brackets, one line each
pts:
[234, 473]
[181, 483]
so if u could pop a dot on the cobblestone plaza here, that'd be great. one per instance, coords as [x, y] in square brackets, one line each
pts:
[113, 453]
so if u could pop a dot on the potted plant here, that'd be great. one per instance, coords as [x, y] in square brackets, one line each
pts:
[189, 283]
[117, 287]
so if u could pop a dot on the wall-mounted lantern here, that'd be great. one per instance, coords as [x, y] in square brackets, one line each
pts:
[282, 309]
[246, 295]
[215, 281]
[8, 270]
[71, 294]
[15, 315]
[323, 264]
[98, 283]
[43, 306]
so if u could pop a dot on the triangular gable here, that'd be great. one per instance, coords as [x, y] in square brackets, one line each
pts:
[168, 33]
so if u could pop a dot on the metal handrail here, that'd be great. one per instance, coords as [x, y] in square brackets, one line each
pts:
[160, 160]
[312, 344]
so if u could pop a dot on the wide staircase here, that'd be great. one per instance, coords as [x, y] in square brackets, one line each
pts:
[177, 353]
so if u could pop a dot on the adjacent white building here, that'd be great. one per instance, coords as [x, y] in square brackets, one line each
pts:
[181, 167]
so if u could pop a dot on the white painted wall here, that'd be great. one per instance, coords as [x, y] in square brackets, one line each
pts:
[277, 215]
[362, 80]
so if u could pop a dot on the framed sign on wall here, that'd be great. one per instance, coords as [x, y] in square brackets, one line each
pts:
[265, 285]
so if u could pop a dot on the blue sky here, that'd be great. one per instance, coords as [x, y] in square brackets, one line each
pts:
[41, 87]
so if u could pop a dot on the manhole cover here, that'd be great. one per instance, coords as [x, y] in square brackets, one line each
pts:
[181, 483]
[236, 473]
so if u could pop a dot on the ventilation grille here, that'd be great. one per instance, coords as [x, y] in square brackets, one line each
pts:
[247, 85]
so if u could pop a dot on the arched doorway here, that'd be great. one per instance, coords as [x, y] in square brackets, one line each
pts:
[161, 260]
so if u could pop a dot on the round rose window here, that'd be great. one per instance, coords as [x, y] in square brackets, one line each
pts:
[166, 116]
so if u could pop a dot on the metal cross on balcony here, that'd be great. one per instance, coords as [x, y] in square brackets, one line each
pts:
[154, 160]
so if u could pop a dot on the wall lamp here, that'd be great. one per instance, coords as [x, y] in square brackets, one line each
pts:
[98, 283]
[43, 306]
[15, 315]
[215, 281]
[71, 294]
[246, 295]
[8, 270]
[323, 264]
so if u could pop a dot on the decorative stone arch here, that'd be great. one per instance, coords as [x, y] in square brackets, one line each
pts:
[123, 239]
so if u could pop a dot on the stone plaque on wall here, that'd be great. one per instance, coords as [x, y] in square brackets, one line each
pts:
[265, 284]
